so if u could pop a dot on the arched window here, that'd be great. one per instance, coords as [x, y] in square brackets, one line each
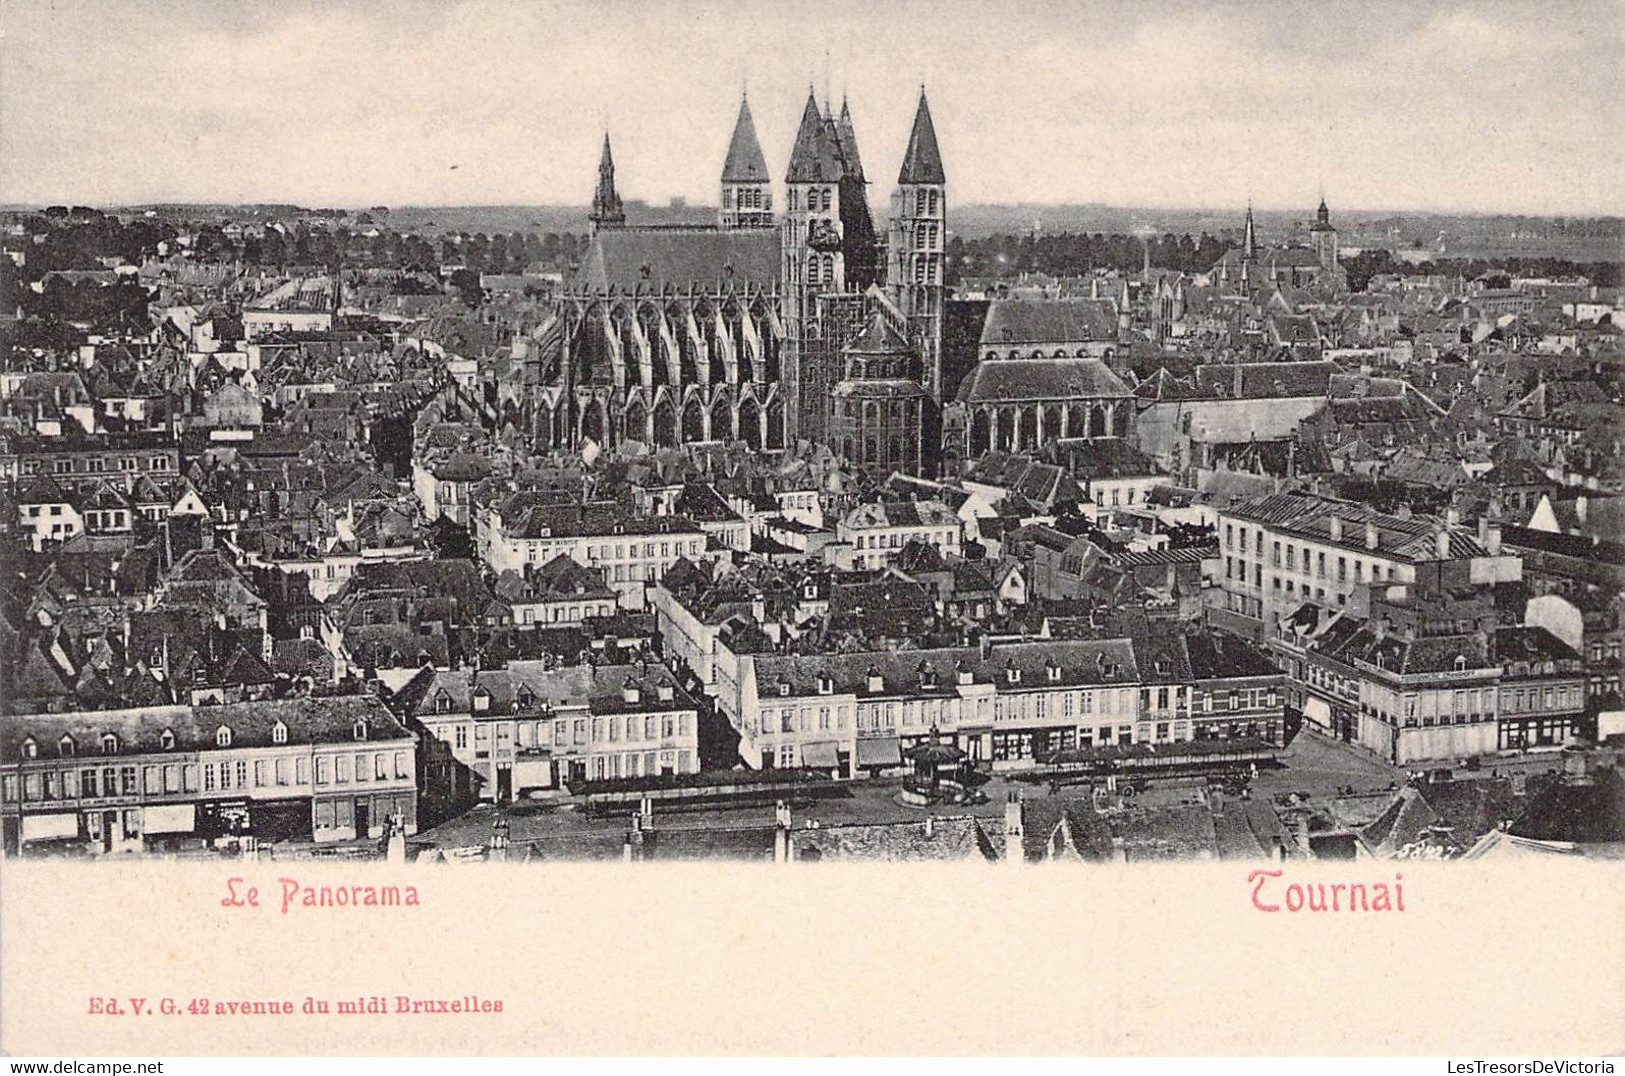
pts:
[166, 740]
[279, 733]
[1461, 663]
[222, 736]
[66, 747]
[109, 744]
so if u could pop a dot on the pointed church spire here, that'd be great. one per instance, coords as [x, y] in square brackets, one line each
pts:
[607, 211]
[923, 161]
[814, 158]
[849, 143]
[1249, 240]
[745, 163]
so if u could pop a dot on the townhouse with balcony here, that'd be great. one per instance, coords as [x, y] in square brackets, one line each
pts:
[1422, 672]
[133, 780]
[499, 734]
[1007, 706]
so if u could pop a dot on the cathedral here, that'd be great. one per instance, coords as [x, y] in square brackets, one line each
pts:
[765, 327]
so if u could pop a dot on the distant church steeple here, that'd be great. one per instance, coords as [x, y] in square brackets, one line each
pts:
[1249, 239]
[607, 211]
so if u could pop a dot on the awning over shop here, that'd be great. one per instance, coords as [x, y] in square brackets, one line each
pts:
[820, 756]
[882, 751]
[172, 818]
[44, 827]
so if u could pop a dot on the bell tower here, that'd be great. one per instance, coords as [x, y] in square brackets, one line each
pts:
[916, 267]
[747, 197]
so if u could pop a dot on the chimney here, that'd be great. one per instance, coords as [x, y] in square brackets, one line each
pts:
[1013, 852]
[1441, 544]
[1337, 528]
[758, 609]
[1372, 538]
[1452, 518]
[781, 832]
[1492, 540]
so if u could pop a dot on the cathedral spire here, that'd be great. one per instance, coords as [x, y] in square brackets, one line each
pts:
[814, 159]
[1249, 240]
[849, 143]
[607, 211]
[745, 163]
[923, 161]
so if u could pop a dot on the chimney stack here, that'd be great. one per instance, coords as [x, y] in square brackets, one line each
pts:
[1492, 540]
[1372, 538]
[1337, 528]
[781, 832]
[1013, 852]
[1441, 544]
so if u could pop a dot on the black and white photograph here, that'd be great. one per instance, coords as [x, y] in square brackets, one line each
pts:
[1000, 444]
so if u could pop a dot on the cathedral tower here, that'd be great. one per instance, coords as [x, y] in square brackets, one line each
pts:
[916, 253]
[747, 197]
[606, 203]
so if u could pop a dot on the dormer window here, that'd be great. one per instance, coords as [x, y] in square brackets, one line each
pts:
[630, 693]
[166, 739]
[665, 692]
[360, 730]
[1011, 673]
[876, 682]
[482, 700]
[109, 744]
[279, 733]
[810, 591]
[1053, 670]
[222, 736]
[784, 688]
[66, 747]
[526, 697]
[826, 684]
[966, 677]
[1461, 663]
[30, 748]
[928, 676]
[442, 703]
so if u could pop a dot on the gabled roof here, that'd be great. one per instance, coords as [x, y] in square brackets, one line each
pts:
[745, 163]
[650, 258]
[922, 162]
[1045, 321]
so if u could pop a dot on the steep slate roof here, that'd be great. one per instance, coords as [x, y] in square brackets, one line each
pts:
[1048, 321]
[815, 157]
[745, 163]
[1041, 379]
[650, 258]
[922, 162]
[848, 139]
[1089, 662]
[310, 720]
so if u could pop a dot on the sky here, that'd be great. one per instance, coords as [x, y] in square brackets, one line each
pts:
[1465, 107]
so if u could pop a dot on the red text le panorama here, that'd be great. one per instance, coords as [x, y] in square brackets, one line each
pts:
[1269, 895]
